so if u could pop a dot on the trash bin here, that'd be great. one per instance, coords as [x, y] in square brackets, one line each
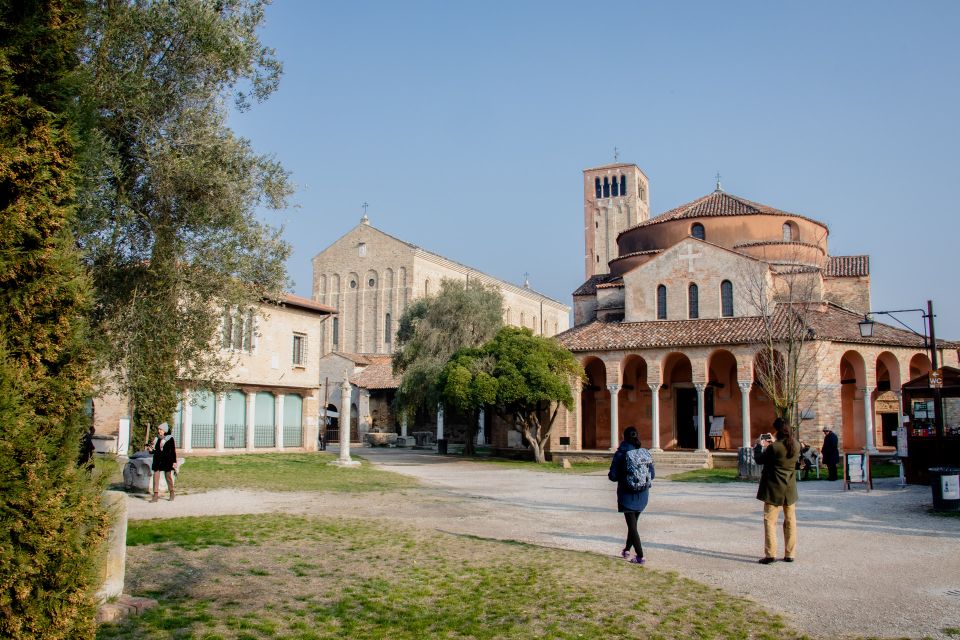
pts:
[442, 446]
[945, 482]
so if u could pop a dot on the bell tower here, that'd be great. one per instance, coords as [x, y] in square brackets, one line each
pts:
[615, 197]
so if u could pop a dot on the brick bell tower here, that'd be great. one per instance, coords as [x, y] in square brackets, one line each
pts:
[615, 197]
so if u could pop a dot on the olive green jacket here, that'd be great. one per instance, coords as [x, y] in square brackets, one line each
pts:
[778, 480]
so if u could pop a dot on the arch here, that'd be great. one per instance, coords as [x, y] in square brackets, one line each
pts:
[888, 372]
[661, 302]
[679, 402]
[333, 423]
[235, 420]
[322, 287]
[594, 405]
[523, 319]
[853, 378]
[634, 407]
[426, 287]
[722, 384]
[726, 299]
[606, 187]
[693, 301]
[623, 185]
[920, 365]
[292, 420]
[264, 429]
[597, 187]
[767, 368]
[791, 232]
[697, 231]
[615, 187]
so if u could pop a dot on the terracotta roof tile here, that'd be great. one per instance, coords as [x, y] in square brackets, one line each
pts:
[589, 287]
[848, 266]
[377, 375]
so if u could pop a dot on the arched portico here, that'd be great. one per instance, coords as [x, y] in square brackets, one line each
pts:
[886, 400]
[763, 411]
[920, 365]
[679, 401]
[635, 399]
[727, 398]
[853, 380]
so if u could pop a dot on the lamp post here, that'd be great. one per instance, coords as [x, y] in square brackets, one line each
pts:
[866, 331]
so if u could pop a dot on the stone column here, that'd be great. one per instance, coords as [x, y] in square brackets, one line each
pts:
[403, 424]
[113, 569]
[745, 411]
[614, 415]
[186, 429]
[439, 422]
[701, 419]
[576, 436]
[481, 422]
[868, 419]
[655, 416]
[219, 420]
[363, 412]
[251, 399]
[278, 421]
[344, 459]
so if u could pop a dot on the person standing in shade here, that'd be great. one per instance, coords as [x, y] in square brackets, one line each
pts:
[632, 470]
[777, 452]
[164, 451]
[830, 452]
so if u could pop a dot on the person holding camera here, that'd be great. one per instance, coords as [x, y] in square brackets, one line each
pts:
[777, 452]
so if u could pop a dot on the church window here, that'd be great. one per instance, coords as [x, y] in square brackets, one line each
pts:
[661, 302]
[362, 248]
[596, 184]
[371, 282]
[693, 301]
[387, 329]
[353, 284]
[615, 187]
[598, 224]
[523, 319]
[697, 231]
[606, 187]
[726, 299]
[336, 332]
[623, 185]
[790, 232]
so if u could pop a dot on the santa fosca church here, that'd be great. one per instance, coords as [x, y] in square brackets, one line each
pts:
[674, 309]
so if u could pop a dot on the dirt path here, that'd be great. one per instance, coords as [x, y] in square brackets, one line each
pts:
[868, 563]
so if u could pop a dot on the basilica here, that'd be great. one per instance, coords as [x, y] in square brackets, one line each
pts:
[675, 309]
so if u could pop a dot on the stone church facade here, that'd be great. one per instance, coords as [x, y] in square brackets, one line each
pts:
[371, 277]
[670, 322]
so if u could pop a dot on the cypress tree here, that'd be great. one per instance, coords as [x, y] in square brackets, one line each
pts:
[52, 522]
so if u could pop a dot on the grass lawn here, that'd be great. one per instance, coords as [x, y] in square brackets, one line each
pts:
[287, 577]
[285, 472]
[879, 470]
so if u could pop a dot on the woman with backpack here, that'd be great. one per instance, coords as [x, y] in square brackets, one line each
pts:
[632, 470]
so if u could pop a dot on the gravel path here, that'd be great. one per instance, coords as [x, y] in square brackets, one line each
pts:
[874, 564]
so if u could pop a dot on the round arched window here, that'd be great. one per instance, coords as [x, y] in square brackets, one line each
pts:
[353, 284]
[697, 231]
[371, 282]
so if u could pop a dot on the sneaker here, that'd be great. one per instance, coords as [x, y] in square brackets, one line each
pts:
[767, 560]
[638, 560]
[788, 559]
[624, 554]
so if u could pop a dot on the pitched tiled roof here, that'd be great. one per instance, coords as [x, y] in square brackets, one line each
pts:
[357, 358]
[829, 323]
[848, 266]
[377, 375]
[589, 287]
[718, 203]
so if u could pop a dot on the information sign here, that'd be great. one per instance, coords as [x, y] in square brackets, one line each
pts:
[856, 470]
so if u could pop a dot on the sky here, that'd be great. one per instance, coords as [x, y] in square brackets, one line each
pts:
[466, 126]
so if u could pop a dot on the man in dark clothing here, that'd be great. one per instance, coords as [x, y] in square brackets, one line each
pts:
[86, 450]
[830, 451]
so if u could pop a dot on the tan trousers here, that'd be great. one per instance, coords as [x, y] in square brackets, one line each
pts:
[770, 515]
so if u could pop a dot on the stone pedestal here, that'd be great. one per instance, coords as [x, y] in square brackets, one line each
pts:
[747, 469]
[114, 566]
[137, 474]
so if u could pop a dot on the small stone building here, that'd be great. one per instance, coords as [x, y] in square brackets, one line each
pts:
[272, 396]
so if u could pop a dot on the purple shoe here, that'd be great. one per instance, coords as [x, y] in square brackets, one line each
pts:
[638, 560]
[624, 554]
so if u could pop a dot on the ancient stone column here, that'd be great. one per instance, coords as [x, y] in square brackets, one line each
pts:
[186, 429]
[745, 412]
[344, 459]
[403, 425]
[614, 416]
[868, 419]
[481, 421]
[701, 419]
[219, 421]
[278, 421]
[655, 416]
[251, 399]
[439, 422]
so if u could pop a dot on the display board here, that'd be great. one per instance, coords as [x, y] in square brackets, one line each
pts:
[856, 470]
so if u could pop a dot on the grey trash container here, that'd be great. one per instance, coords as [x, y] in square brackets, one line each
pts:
[945, 482]
[442, 446]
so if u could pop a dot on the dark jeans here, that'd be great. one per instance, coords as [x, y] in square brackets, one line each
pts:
[633, 536]
[831, 472]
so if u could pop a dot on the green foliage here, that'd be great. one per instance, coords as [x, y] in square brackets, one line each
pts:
[168, 220]
[51, 518]
[525, 377]
[461, 315]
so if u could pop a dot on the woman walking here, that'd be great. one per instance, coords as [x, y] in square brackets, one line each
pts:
[777, 453]
[632, 470]
[164, 459]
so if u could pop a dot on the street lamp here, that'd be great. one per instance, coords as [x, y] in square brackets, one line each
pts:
[866, 328]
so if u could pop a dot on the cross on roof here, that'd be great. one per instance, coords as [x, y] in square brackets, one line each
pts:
[689, 257]
[719, 187]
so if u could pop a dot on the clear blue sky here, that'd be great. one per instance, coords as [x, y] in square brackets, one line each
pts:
[466, 126]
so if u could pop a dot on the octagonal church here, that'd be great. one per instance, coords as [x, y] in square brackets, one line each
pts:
[672, 318]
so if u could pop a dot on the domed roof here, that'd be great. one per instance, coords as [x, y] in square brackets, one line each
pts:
[719, 203]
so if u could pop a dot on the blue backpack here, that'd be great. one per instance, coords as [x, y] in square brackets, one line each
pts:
[638, 463]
